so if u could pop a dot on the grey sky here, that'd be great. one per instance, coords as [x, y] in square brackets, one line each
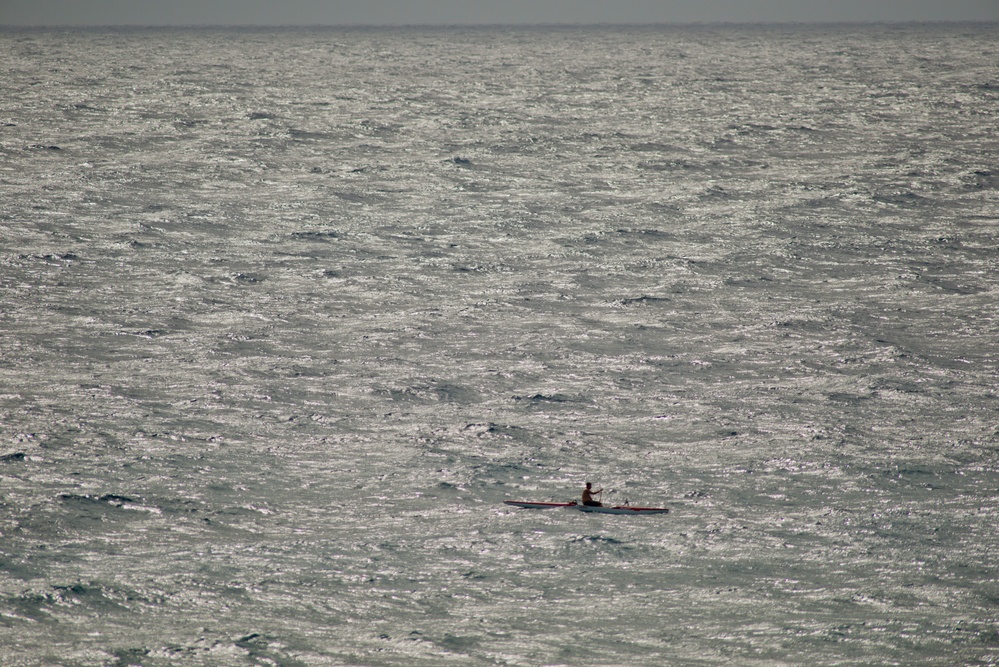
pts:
[402, 12]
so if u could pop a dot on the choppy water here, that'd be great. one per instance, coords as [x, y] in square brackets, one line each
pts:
[286, 315]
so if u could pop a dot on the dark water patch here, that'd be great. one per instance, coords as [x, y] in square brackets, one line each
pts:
[431, 392]
[747, 281]
[186, 123]
[32, 605]
[185, 507]
[50, 257]
[20, 568]
[148, 333]
[248, 278]
[486, 267]
[454, 393]
[53, 601]
[903, 386]
[645, 234]
[948, 284]
[596, 539]
[548, 398]
[72, 499]
[802, 324]
[115, 499]
[977, 632]
[489, 429]
[447, 487]
[90, 594]
[83, 106]
[901, 199]
[355, 198]
[653, 147]
[458, 643]
[105, 507]
[717, 192]
[318, 235]
[981, 179]
[266, 649]
[667, 165]
[644, 300]
[848, 398]
[127, 657]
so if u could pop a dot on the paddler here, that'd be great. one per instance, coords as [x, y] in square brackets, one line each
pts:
[588, 494]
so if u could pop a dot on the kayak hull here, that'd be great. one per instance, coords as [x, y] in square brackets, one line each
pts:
[619, 509]
[536, 506]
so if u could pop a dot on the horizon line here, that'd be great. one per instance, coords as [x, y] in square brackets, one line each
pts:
[599, 24]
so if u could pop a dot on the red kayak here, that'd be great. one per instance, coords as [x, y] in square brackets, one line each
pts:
[619, 509]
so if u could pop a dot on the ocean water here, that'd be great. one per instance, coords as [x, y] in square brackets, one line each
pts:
[285, 315]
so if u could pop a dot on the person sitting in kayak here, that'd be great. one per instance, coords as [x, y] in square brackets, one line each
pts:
[588, 494]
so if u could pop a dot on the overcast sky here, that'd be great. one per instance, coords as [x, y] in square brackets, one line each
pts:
[439, 12]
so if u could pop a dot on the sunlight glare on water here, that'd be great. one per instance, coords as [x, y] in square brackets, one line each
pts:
[287, 314]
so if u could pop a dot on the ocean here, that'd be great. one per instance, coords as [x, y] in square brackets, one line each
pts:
[287, 314]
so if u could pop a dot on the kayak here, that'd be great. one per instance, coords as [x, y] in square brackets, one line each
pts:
[618, 509]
